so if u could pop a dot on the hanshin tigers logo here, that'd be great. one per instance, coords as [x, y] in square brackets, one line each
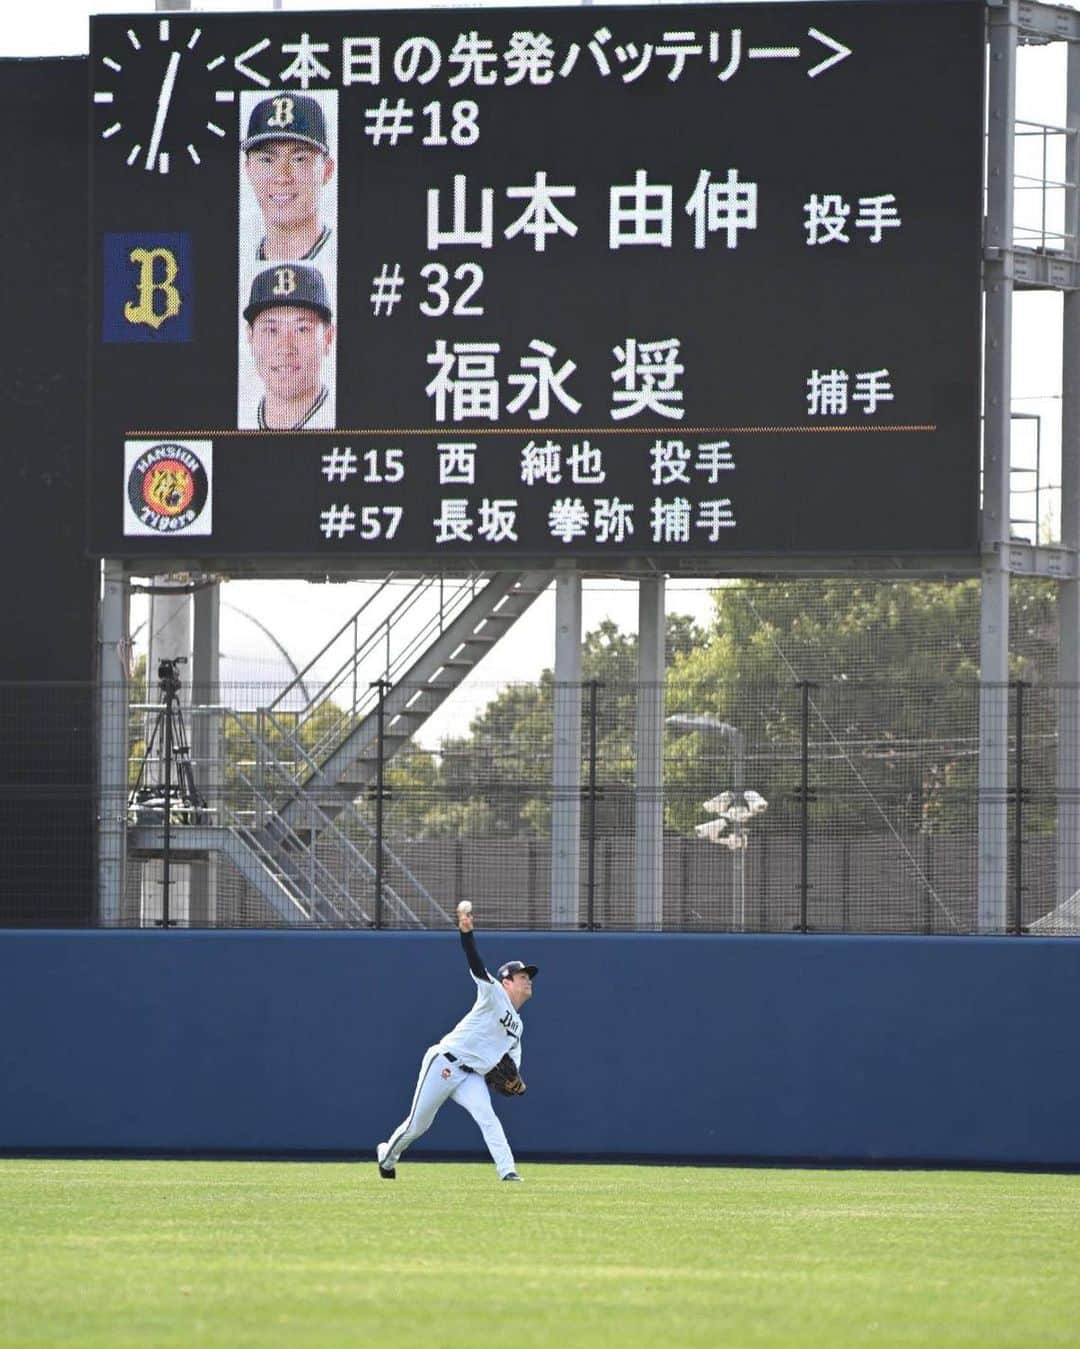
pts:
[168, 487]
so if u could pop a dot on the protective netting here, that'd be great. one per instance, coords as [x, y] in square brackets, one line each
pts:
[820, 771]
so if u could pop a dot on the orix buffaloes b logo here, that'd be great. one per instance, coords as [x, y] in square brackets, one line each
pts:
[148, 288]
[168, 487]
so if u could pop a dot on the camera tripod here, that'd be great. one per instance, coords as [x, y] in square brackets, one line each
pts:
[175, 799]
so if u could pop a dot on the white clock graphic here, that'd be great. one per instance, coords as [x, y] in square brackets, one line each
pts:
[161, 58]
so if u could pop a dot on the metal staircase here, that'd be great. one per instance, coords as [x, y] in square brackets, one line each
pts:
[331, 884]
[394, 709]
[289, 822]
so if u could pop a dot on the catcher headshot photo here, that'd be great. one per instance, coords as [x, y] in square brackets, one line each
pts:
[286, 360]
[481, 1054]
[289, 168]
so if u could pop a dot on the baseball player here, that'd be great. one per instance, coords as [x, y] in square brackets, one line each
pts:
[288, 163]
[483, 1049]
[290, 331]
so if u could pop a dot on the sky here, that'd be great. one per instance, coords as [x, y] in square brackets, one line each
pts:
[302, 616]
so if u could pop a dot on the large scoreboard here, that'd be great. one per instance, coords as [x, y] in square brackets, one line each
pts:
[682, 281]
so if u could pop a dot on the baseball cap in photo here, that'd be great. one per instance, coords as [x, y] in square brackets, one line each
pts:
[295, 117]
[513, 967]
[289, 283]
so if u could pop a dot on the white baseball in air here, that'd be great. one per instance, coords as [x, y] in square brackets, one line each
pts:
[465, 906]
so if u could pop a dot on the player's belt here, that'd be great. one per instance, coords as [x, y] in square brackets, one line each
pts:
[453, 1059]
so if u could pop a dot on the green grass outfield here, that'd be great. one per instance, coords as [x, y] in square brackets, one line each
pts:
[147, 1253]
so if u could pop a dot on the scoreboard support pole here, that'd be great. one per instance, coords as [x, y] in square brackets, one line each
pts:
[112, 742]
[1068, 765]
[170, 637]
[649, 807]
[566, 764]
[206, 731]
[994, 627]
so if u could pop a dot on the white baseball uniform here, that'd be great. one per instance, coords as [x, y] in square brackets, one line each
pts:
[454, 1068]
[319, 415]
[313, 252]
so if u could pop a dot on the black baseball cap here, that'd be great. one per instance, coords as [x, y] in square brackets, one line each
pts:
[513, 967]
[291, 117]
[289, 283]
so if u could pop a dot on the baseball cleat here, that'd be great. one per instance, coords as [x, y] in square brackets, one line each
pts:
[388, 1172]
[512, 1175]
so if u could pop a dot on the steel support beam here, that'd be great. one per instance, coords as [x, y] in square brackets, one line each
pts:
[112, 672]
[649, 802]
[170, 638]
[206, 738]
[994, 626]
[1048, 23]
[1068, 764]
[1030, 270]
[566, 765]
[1054, 560]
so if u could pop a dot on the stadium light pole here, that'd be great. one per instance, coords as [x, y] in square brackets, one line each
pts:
[709, 724]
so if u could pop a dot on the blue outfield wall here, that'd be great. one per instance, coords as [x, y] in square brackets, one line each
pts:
[710, 1047]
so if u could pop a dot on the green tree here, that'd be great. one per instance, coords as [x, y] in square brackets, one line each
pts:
[895, 702]
[498, 775]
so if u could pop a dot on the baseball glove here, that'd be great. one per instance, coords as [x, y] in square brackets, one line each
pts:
[505, 1078]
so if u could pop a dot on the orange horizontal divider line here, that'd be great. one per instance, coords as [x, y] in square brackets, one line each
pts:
[459, 433]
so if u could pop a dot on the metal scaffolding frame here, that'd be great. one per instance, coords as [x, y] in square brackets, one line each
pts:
[1009, 266]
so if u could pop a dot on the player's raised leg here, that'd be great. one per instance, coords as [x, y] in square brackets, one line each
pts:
[472, 1095]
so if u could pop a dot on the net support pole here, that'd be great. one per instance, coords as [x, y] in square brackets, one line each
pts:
[1068, 764]
[566, 758]
[994, 619]
[649, 801]
[113, 643]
